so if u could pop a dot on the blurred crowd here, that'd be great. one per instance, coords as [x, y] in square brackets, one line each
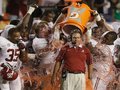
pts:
[16, 9]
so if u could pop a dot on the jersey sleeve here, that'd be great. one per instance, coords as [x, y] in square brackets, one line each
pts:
[2, 41]
[61, 54]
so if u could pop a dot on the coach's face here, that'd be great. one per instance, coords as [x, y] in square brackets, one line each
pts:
[76, 39]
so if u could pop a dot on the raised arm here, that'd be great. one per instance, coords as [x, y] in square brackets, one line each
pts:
[24, 22]
[101, 22]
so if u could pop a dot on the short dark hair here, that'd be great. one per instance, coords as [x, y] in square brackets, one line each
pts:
[113, 35]
[76, 31]
[14, 22]
[48, 11]
[63, 37]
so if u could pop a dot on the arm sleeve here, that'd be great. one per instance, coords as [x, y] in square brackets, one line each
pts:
[3, 41]
[61, 54]
[89, 57]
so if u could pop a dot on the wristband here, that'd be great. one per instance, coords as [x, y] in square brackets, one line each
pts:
[30, 10]
[23, 50]
[98, 18]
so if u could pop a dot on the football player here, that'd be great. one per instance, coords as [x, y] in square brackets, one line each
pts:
[42, 45]
[44, 54]
[103, 71]
[10, 53]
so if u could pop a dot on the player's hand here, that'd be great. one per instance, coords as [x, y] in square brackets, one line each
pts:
[32, 8]
[7, 65]
[97, 16]
[95, 13]
[7, 72]
[21, 45]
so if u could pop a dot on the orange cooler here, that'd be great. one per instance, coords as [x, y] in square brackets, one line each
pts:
[77, 18]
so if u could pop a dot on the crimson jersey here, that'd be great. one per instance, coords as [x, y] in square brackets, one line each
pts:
[9, 52]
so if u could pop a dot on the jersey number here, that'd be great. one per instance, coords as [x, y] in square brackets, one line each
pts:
[13, 54]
